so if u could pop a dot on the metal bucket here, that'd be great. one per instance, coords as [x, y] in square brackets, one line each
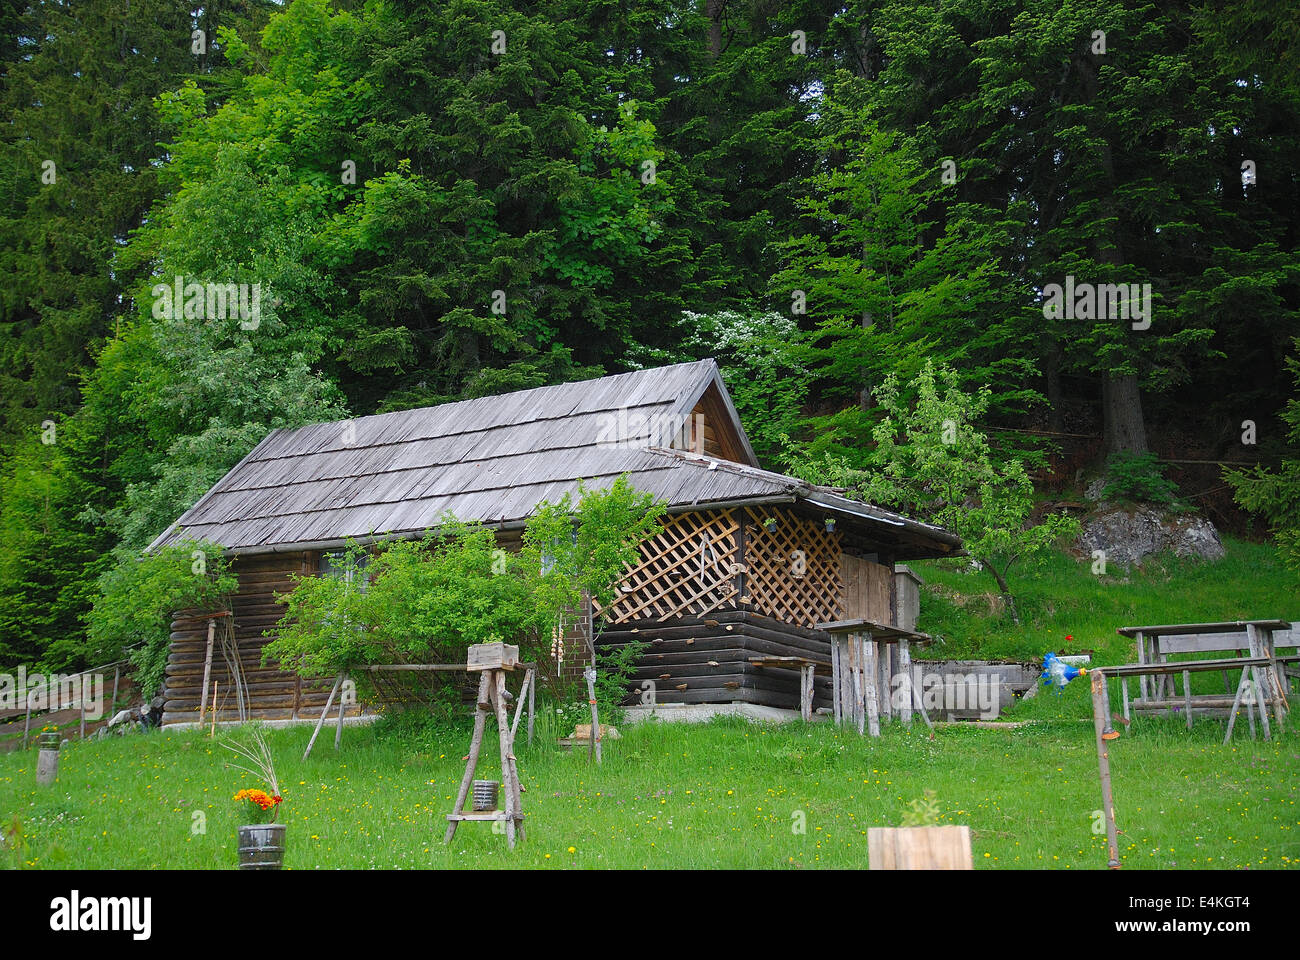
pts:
[485, 795]
[261, 846]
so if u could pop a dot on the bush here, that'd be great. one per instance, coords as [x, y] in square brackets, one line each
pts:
[1138, 477]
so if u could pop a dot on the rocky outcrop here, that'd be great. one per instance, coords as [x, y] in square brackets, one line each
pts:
[1130, 534]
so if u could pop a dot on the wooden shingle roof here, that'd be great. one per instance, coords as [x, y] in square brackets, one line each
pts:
[491, 459]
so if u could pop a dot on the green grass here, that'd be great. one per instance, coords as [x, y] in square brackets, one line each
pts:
[676, 796]
[729, 794]
[1063, 598]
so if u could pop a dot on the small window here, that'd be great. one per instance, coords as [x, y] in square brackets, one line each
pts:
[335, 564]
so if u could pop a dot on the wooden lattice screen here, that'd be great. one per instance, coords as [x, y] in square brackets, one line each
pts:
[792, 574]
[704, 561]
[686, 569]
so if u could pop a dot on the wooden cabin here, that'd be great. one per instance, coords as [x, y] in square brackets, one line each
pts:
[746, 562]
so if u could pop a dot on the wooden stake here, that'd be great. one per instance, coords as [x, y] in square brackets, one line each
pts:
[1103, 767]
[323, 714]
[532, 686]
[519, 706]
[338, 731]
[213, 731]
[207, 666]
[594, 743]
[1236, 704]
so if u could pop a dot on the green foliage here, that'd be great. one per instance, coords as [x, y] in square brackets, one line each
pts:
[1138, 477]
[1275, 493]
[922, 812]
[614, 669]
[140, 595]
[931, 462]
[427, 601]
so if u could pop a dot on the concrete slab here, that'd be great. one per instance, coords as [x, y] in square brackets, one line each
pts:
[704, 712]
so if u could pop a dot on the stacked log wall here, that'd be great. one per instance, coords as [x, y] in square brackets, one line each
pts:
[272, 693]
[710, 658]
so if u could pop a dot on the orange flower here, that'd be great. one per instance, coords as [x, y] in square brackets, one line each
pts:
[259, 797]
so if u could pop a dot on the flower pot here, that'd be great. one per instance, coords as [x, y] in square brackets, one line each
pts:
[261, 846]
[770, 527]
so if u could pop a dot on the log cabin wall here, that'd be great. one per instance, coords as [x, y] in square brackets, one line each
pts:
[707, 660]
[272, 693]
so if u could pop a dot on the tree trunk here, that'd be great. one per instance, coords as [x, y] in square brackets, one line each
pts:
[1121, 400]
[1007, 598]
[713, 10]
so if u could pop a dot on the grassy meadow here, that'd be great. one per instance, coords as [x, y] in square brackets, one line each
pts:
[733, 794]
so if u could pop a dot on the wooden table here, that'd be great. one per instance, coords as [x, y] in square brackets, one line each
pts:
[1257, 638]
[861, 679]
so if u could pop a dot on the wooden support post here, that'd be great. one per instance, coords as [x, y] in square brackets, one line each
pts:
[1108, 731]
[213, 731]
[1187, 696]
[1103, 768]
[1123, 682]
[338, 730]
[1143, 691]
[872, 652]
[593, 745]
[338, 681]
[27, 722]
[916, 701]
[532, 686]
[905, 678]
[1261, 700]
[836, 680]
[117, 673]
[806, 692]
[207, 669]
[519, 705]
[1236, 704]
[503, 728]
[481, 706]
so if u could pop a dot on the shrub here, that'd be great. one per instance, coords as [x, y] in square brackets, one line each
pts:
[1138, 477]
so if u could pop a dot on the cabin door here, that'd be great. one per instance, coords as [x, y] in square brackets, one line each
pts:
[866, 590]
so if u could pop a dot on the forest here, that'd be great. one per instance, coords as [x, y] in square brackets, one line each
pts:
[1085, 212]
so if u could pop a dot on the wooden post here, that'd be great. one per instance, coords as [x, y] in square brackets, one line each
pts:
[1187, 696]
[836, 680]
[519, 706]
[481, 706]
[532, 686]
[806, 692]
[1108, 731]
[338, 730]
[872, 651]
[503, 728]
[207, 668]
[1103, 768]
[117, 673]
[905, 678]
[1236, 704]
[213, 731]
[1124, 686]
[27, 723]
[1142, 658]
[1261, 700]
[594, 743]
[338, 681]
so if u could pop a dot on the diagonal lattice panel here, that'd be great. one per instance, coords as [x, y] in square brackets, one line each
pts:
[793, 572]
[686, 569]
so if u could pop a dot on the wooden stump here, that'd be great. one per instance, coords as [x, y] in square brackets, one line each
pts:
[919, 848]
